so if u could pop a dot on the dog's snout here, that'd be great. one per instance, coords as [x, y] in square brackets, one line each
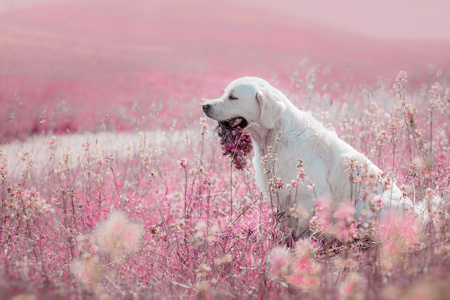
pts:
[206, 107]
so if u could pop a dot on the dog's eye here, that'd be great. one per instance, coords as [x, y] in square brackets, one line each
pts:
[233, 97]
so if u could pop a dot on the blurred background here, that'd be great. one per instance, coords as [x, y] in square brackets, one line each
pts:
[66, 64]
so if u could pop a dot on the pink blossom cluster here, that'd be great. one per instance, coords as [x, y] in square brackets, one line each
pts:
[345, 226]
[116, 237]
[297, 267]
[277, 184]
[3, 166]
[322, 218]
[236, 144]
[339, 223]
[398, 236]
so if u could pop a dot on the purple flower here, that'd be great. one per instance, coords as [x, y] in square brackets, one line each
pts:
[236, 144]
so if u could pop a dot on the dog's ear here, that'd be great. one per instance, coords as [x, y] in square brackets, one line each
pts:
[271, 105]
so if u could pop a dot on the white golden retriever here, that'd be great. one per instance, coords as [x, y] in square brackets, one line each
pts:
[332, 166]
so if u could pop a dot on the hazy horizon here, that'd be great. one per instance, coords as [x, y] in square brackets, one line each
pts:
[400, 19]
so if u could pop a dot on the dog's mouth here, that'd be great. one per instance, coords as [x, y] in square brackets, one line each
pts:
[234, 122]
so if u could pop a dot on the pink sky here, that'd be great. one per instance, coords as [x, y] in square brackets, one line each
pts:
[405, 19]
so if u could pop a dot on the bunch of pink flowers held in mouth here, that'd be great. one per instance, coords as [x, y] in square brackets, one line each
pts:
[236, 144]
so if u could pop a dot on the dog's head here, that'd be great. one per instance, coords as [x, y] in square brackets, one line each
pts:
[247, 100]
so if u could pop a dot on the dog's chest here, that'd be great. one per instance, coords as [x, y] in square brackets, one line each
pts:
[287, 162]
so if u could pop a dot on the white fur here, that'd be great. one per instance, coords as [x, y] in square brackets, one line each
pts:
[300, 136]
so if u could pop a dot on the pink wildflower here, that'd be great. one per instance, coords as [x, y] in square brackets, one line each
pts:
[436, 87]
[204, 125]
[3, 166]
[202, 270]
[404, 229]
[402, 75]
[321, 219]
[301, 175]
[304, 281]
[399, 236]
[116, 234]
[183, 163]
[100, 161]
[382, 136]
[51, 140]
[87, 270]
[305, 269]
[310, 187]
[276, 184]
[226, 258]
[352, 287]
[325, 115]
[345, 227]
[278, 263]
[86, 146]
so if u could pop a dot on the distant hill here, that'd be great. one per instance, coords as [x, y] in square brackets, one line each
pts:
[100, 54]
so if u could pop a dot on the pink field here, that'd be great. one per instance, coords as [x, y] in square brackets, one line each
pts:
[103, 57]
[142, 205]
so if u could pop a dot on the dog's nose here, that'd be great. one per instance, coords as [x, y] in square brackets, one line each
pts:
[206, 107]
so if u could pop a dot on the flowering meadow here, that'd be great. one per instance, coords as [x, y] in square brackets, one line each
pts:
[163, 214]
